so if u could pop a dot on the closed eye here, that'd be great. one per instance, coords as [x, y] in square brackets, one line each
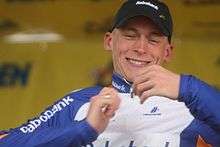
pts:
[130, 36]
[154, 38]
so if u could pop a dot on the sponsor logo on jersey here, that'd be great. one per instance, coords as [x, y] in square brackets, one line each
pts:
[120, 87]
[45, 116]
[147, 3]
[154, 111]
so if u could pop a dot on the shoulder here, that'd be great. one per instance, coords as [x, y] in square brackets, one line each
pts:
[75, 99]
[84, 94]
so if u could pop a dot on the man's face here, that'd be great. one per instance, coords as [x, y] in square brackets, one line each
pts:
[137, 45]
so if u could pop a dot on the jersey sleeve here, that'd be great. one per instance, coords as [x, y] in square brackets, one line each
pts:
[75, 134]
[56, 125]
[202, 100]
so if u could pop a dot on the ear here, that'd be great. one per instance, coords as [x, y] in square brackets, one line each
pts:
[168, 52]
[108, 41]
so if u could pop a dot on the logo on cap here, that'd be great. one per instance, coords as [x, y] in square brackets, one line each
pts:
[162, 16]
[147, 3]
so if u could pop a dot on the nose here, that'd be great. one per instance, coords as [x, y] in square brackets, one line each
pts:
[141, 45]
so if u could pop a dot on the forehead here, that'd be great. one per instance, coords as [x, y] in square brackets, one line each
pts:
[140, 21]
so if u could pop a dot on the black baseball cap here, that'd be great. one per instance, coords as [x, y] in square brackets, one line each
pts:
[156, 10]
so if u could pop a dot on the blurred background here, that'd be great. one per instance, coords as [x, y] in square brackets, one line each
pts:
[51, 47]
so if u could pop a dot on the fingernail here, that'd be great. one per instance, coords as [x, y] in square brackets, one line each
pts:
[104, 108]
[107, 96]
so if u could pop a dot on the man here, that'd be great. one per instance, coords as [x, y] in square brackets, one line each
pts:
[147, 105]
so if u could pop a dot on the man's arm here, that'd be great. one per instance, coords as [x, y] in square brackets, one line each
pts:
[202, 100]
[56, 126]
[77, 134]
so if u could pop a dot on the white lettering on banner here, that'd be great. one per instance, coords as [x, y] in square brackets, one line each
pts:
[34, 124]
[147, 3]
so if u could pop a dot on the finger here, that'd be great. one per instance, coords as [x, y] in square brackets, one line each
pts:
[107, 96]
[107, 91]
[109, 109]
[153, 67]
[110, 112]
[140, 88]
[146, 94]
[146, 74]
[110, 101]
[112, 107]
[100, 100]
[105, 106]
[142, 79]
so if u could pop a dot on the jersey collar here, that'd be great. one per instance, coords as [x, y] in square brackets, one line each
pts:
[121, 84]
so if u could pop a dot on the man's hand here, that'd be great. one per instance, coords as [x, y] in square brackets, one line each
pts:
[156, 81]
[102, 108]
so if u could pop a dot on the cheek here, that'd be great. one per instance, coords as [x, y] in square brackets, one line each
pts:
[158, 51]
[120, 49]
[118, 56]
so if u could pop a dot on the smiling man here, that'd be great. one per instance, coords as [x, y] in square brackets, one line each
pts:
[147, 104]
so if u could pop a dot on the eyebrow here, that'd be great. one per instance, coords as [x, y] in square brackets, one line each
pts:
[154, 32]
[129, 29]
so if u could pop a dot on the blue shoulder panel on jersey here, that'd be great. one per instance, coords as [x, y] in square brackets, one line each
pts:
[203, 102]
[202, 99]
[198, 128]
[86, 93]
[188, 136]
[56, 125]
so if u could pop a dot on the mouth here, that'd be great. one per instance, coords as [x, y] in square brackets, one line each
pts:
[138, 62]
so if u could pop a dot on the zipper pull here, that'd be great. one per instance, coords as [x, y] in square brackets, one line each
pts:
[132, 92]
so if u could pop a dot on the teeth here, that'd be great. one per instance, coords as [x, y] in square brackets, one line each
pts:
[137, 62]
